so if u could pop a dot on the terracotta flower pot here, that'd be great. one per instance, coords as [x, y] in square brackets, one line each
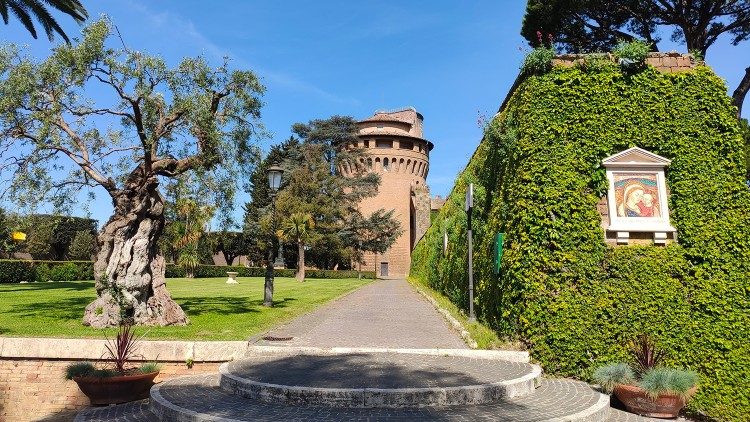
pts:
[636, 400]
[115, 390]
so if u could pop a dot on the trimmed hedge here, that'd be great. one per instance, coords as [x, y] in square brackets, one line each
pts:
[15, 271]
[572, 299]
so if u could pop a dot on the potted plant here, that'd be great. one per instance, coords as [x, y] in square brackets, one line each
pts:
[646, 387]
[119, 382]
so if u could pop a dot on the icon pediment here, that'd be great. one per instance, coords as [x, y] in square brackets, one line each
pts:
[635, 157]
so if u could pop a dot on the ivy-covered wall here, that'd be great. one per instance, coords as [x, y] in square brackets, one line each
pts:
[572, 299]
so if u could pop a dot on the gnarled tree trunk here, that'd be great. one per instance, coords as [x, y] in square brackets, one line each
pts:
[129, 272]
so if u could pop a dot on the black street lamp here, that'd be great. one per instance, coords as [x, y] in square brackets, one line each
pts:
[274, 182]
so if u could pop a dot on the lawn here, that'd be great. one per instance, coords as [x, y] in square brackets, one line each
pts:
[217, 311]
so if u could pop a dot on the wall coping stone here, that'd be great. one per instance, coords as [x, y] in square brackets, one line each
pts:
[204, 351]
[95, 349]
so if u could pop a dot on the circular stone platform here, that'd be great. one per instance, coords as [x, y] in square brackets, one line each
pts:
[369, 380]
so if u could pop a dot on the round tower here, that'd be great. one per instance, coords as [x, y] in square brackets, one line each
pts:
[397, 151]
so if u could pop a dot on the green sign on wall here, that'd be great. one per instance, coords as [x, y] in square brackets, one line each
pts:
[498, 251]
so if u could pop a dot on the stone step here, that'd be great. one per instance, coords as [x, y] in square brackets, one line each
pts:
[199, 398]
[392, 380]
[139, 411]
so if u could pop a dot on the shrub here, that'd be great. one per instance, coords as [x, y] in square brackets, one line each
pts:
[149, 368]
[68, 271]
[79, 369]
[561, 290]
[15, 271]
[610, 375]
[538, 61]
[632, 54]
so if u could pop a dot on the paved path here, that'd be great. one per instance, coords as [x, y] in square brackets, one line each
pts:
[384, 314]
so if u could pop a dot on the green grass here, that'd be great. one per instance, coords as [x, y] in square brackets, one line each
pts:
[217, 311]
[485, 337]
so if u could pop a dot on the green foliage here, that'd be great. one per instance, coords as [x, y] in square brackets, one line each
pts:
[610, 375]
[25, 10]
[15, 271]
[746, 135]
[538, 61]
[598, 25]
[632, 54]
[596, 62]
[52, 236]
[83, 246]
[149, 368]
[79, 369]
[571, 298]
[668, 380]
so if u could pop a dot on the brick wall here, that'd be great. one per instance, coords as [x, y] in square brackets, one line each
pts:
[671, 62]
[35, 389]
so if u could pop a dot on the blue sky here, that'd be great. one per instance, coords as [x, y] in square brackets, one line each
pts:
[451, 60]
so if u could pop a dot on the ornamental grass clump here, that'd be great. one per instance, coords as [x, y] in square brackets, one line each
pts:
[669, 381]
[610, 375]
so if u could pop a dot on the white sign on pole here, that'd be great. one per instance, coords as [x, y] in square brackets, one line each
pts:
[470, 197]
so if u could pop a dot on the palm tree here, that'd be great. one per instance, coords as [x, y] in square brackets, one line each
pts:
[299, 228]
[25, 10]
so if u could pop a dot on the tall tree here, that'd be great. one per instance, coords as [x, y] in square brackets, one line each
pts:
[375, 233]
[327, 180]
[591, 25]
[257, 224]
[164, 122]
[29, 10]
[298, 228]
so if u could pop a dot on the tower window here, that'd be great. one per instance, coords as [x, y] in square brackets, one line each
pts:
[367, 143]
[386, 164]
[381, 143]
[406, 145]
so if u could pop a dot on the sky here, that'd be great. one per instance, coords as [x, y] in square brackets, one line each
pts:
[452, 61]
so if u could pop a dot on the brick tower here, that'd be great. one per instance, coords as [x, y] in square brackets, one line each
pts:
[400, 154]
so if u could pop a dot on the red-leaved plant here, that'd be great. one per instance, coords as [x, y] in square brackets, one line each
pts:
[646, 355]
[122, 348]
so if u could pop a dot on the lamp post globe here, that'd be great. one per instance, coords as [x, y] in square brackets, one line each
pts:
[274, 178]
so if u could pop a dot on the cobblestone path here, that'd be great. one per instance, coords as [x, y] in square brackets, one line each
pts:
[384, 314]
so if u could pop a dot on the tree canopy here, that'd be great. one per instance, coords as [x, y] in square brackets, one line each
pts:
[597, 25]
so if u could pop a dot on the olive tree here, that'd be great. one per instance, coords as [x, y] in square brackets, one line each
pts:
[94, 116]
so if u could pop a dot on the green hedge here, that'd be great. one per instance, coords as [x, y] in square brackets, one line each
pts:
[15, 271]
[571, 298]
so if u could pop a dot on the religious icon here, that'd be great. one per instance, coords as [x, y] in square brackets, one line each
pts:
[636, 195]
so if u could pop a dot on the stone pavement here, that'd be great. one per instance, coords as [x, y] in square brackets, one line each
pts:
[383, 314]
[297, 383]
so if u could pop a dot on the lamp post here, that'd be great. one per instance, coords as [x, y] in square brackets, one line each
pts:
[469, 206]
[274, 182]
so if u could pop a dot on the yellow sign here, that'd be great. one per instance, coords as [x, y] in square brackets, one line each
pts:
[19, 236]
